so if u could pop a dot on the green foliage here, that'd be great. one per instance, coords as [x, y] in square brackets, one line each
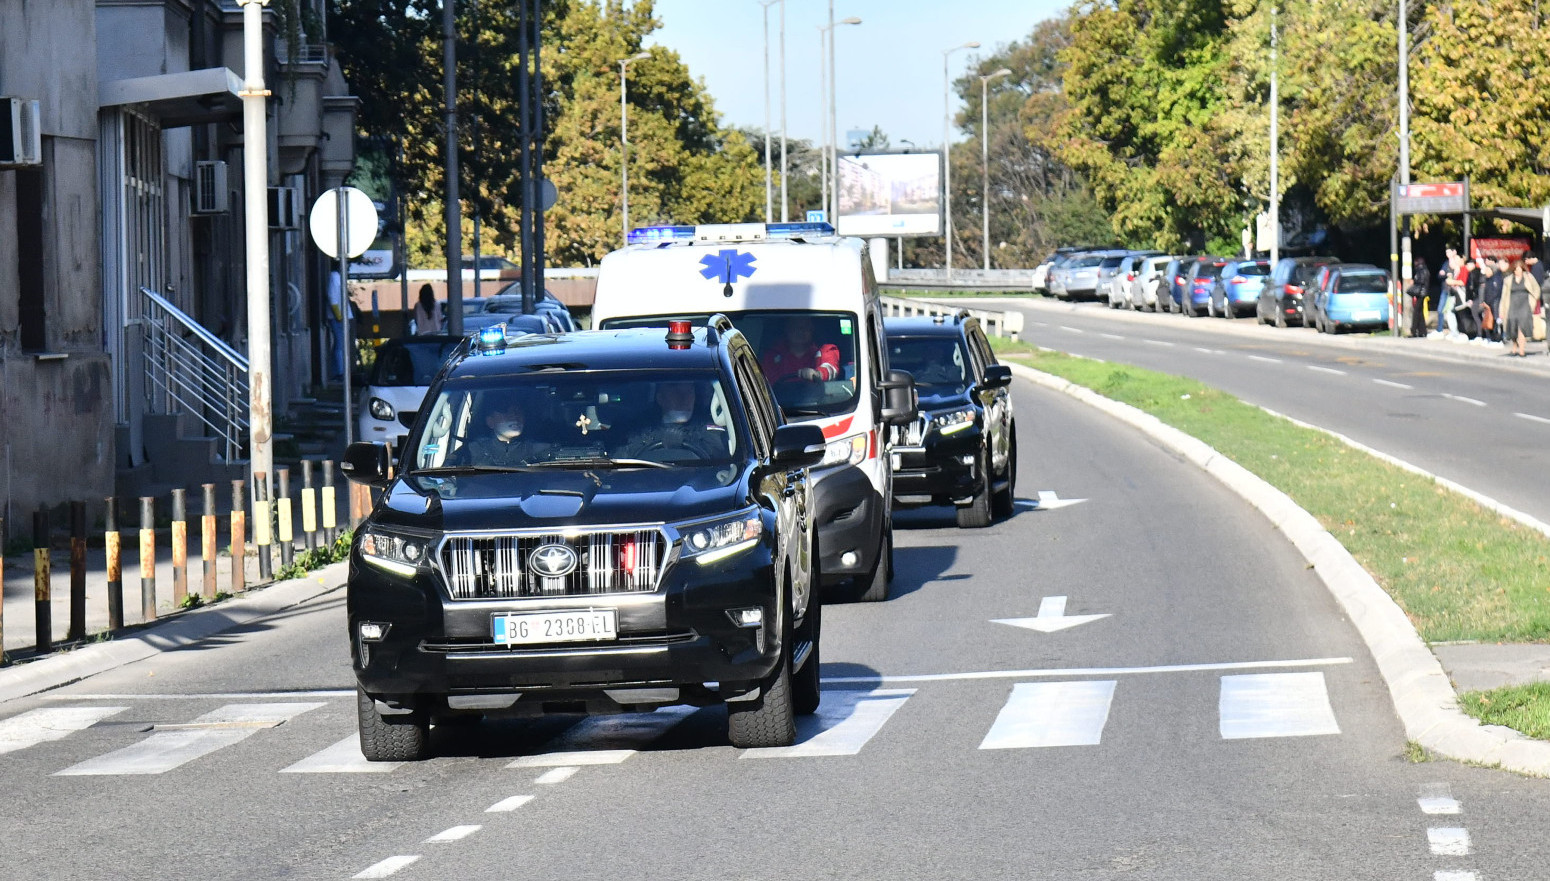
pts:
[1523, 708]
[192, 601]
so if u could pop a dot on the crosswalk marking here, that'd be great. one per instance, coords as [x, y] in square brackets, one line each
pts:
[1040, 714]
[1275, 705]
[845, 721]
[605, 740]
[163, 751]
[343, 757]
[52, 723]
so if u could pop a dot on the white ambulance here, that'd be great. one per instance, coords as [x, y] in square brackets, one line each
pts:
[807, 301]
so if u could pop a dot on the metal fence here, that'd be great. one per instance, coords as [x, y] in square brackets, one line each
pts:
[989, 279]
[190, 370]
[996, 322]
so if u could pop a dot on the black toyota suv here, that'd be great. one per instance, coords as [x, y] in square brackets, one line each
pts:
[962, 449]
[599, 521]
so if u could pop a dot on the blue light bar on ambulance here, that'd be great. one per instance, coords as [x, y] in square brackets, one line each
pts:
[797, 230]
[654, 235]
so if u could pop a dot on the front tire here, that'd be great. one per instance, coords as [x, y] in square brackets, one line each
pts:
[403, 738]
[876, 589]
[976, 514]
[806, 690]
[769, 720]
[1001, 504]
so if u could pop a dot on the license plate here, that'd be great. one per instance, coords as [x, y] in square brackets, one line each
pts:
[543, 627]
[1368, 315]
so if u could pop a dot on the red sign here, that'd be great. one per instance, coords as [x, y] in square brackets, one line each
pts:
[1432, 191]
[1497, 248]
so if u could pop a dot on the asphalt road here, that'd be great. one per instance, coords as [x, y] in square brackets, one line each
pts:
[1484, 424]
[1222, 721]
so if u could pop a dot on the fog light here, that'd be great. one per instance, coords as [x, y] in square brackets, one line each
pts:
[372, 631]
[849, 558]
[751, 617]
[967, 460]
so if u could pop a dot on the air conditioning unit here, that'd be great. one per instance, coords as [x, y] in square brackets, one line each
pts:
[210, 193]
[21, 141]
[284, 208]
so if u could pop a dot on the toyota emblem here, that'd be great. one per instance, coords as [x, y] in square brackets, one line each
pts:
[552, 561]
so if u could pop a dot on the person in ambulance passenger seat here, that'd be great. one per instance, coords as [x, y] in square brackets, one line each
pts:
[796, 357]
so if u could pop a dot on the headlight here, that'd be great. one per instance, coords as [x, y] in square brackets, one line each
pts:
[708, 542]
[380, 409]
[846, 450]
[953, 422]
[396, 552]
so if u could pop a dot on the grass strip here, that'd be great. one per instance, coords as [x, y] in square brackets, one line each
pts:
[1524, 708]
[1459, 571]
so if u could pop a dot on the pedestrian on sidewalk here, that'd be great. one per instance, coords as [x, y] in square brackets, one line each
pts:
[427, 318]
[1493, 300]
[1452, 283]
[1519, 291]
[1416, 293]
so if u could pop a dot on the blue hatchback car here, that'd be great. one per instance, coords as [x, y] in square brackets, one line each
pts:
[1201, 279]
[1354, 296]
[1237, 289]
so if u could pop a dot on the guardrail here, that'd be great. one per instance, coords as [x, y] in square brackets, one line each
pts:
[991, 279]
[996, 322]
[189, 369]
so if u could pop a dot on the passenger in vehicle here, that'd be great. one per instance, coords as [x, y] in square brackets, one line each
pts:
[795, 356]
[505, 440]
[681, 432]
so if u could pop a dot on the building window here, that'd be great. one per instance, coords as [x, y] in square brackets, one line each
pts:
[29, 259]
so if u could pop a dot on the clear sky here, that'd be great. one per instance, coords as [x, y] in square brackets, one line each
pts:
[890, 65]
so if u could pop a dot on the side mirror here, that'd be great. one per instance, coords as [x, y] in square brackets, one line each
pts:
[900, 403]
[997, 376]
[798, 446]
[367, 462]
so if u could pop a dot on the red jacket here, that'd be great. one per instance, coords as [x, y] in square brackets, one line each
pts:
[779, 362]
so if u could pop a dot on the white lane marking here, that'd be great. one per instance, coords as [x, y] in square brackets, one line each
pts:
[1052, 617]
[1463, 400]
[1540, 419]
[456, 833]
[508, 804]
[845, 721]
[556, 775]
[1111, 336]
[1450, 841]
[605, 740]
[1072, 329]
[205, 695]
[1392, 384]
[1041, 714]
[53, 723]
[1437, 798]
[343, 757]
[165, 750]
[1264, 359]
[1275, 705]
[1158, 342]
[1454, 876]
[1206, 351]
[1039, 323]
[1083, 671]
[388, 867]
[1322, 369]
[1049, 500]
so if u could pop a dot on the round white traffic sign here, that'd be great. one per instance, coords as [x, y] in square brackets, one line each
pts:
[360, 222]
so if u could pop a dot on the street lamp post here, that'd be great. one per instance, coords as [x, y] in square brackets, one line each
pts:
[947, 157]
[830, 173]
[769, 189]
[785, 208]
[985, 155]
[1275, 147]
[624, 144]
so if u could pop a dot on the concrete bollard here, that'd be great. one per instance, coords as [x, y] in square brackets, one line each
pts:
[285, 533]
[207, 542]
[115, 551]
[179, 548]
[148, 558]
[44, 620]
[77, 571]
[262, 533]
[239, 541]
[329, 503]
[309, 507]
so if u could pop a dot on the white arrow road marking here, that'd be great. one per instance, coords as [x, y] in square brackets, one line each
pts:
[1040, 714]
[1049, 500]
[1052, 617]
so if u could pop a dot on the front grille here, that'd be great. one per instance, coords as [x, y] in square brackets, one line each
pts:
[496, 566]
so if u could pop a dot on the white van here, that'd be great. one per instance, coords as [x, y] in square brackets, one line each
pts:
[807, 301]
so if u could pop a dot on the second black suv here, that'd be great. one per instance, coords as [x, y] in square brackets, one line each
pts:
[962, 450]
[599, 521]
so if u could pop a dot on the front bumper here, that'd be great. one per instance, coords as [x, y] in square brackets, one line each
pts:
[851, 516]
[671, 642]
[936, 473]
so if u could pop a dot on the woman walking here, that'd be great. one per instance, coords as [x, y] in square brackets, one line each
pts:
[1519, 291]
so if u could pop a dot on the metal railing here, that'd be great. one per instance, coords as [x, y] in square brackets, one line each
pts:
[992, 279]
[996, 322]
[190, 370]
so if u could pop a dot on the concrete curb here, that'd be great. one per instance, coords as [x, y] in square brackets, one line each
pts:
[1423, 696]
[184, 630]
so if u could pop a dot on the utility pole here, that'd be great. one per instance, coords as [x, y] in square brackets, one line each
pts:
[255, 188]
[454, 214]
[1405, 269]
[1275, 148]
[785, 207]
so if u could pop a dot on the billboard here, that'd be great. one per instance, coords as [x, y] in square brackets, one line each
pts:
[890, 194]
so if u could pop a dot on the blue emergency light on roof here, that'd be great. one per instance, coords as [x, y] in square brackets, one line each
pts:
[655, 235]
[492, 338]
[797, 230]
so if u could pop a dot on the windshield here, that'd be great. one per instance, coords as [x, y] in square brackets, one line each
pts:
[409, 363]
[939, 364]
[1086, 262]
[1207, 270]
[1364, 283]
[808, 357]
[584, 419]
[1252, 269]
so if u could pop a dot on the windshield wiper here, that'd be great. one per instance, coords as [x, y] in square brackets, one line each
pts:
[469, 469]
[803, 411]
[600, 462]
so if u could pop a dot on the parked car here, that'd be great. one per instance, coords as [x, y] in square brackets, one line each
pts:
[1280, 300]
[562, 541]
[1176, 275]
[1147, 289]
[1059, 262]
[1309, 300]
[509, 301]
[1078, 279]
[1354, 296]
[962, 448]
[396, 384]
[1119, 285]
[1196, 294]
[1237, 288]
[516, 322]
[1107, 270]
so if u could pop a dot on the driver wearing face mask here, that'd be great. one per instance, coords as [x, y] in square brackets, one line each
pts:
[505, 441]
